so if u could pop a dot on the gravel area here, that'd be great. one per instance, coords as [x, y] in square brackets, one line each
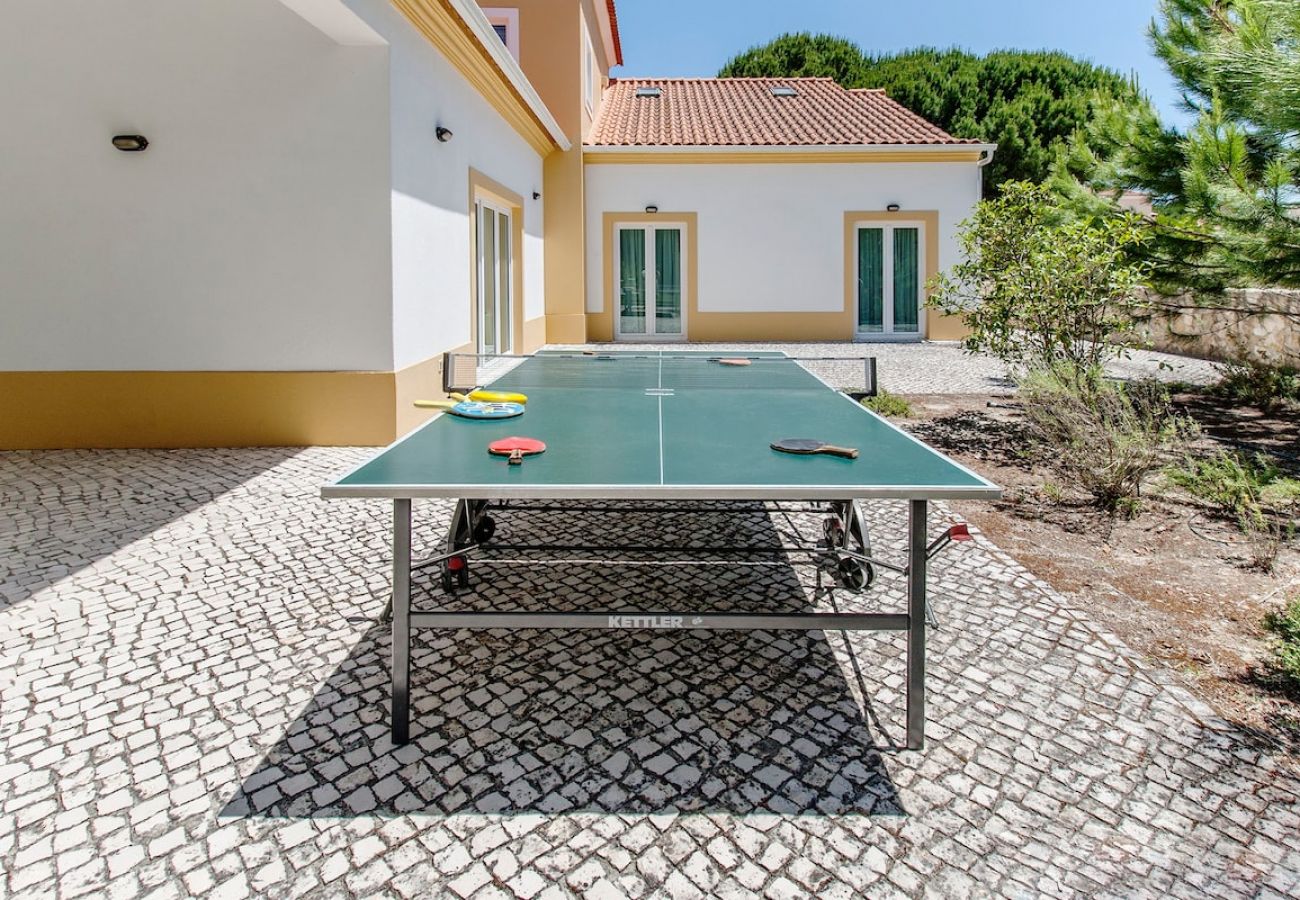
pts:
[935, 367]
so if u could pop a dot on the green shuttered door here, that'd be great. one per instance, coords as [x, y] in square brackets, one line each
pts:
[871, 280]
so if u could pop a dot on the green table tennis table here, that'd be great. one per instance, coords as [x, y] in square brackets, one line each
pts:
[659, 426]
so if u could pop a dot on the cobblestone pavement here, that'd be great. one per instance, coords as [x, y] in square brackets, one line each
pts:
[192, 703]
[943, 368]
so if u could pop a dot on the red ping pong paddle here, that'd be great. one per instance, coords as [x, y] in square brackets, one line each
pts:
[735, 362]
[516, 448]
[807, 445]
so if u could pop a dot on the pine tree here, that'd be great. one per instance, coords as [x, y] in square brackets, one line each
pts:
[1028, 103]
[1225, 191]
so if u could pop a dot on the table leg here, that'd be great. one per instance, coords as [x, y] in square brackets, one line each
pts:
[916, 609]
[401, 712]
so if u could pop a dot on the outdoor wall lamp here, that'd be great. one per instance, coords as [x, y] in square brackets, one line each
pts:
[130, 142]
[652, 208]
[893, 207]
[444, 134]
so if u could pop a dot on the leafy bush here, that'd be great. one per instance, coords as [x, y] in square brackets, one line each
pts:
[1104, 436]
[1252, 492]
[1040, 290]
[887, 404]
[1285, 627]
[1258, 384]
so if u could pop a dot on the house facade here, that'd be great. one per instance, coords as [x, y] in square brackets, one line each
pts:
[329, 194]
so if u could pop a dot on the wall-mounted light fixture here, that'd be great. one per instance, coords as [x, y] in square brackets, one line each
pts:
[537, 195]
[130, 143]
[893, 207]
[444, 134]
[652, 208]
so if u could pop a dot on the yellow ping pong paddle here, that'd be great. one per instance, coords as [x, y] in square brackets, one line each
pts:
[496, 397]
[477, 396]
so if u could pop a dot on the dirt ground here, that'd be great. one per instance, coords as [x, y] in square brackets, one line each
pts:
[1175, 582]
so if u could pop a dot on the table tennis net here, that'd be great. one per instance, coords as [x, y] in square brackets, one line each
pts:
[632, 370]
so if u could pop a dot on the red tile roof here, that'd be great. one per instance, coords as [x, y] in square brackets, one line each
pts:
[613, 26]
[742, 112]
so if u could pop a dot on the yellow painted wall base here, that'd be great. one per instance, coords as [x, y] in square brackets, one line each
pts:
[46, 410]
[746, 326]
[534, 334]
[422, 381]
[567, 329]
[945, 328]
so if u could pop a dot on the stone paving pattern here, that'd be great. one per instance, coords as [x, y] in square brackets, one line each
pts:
[193, 703]
[943, 367]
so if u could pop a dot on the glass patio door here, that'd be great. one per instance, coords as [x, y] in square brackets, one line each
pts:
[495, 294]
[890, 280]
[648, 281]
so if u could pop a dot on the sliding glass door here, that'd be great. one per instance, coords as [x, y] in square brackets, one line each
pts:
[891, 279]
[648, 282]
[495, 294]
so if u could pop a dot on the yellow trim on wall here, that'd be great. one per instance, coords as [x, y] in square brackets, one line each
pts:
[565, 247]
[835, 325]
[668, 157]
[481, 187]
[937, 327]
[421, 381]
[534, 335]
[711, 326]
[447, 31]
[50, 410]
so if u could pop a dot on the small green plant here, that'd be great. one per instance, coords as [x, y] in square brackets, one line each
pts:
[1252, 492]
[1103, 436]
[1258, 384]
[1285, 628]
[890, 405]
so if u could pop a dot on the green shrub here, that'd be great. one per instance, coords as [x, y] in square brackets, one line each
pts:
[1258, 384]
[1285, 628]
[1041, 288]
[1103, 436]
[886, 404]
[1251, 491]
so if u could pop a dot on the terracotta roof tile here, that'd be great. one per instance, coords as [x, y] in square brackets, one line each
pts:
[613, 27]
[742, 112]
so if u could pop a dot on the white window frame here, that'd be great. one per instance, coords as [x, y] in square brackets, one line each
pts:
[649, 228]
[509, 17]
[480, 263]
[887, 332]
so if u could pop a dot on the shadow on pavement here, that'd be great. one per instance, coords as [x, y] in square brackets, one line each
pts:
[67, 509]
[589, 721]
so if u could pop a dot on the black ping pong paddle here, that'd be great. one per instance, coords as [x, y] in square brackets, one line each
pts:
[808, 445]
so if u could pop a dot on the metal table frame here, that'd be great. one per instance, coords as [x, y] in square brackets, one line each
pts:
[913, 621]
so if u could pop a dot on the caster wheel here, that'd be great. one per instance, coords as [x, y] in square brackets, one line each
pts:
[855, 575]
[484, 530]
[458, 568]
[833, 529]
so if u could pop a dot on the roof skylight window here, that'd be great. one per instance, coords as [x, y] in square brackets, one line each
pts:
[784, 90]
[648, 92]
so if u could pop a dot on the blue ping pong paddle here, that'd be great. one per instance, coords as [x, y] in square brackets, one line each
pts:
[474, 409]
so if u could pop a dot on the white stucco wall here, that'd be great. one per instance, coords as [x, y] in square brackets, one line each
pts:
[771, 237]
[430, 191]
[252, 234]
[292, 212]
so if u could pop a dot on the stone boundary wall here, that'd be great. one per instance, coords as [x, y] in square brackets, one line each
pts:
[1258, 324]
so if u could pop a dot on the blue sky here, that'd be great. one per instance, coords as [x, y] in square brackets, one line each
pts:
[695, 37]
